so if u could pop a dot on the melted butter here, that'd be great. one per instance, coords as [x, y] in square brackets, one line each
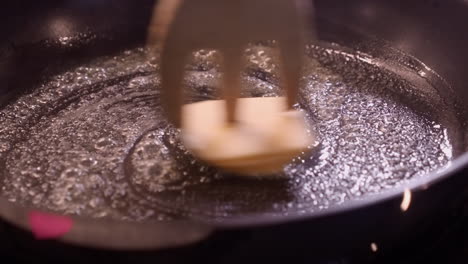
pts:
[93, 141]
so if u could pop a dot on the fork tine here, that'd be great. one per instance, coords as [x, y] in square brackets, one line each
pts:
[163, 15]
[232, 64]
[172, 73]
[291, 65]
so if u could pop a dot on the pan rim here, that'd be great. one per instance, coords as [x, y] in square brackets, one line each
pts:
[17, 214]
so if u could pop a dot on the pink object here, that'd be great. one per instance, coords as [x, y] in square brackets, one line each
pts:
[49, 226]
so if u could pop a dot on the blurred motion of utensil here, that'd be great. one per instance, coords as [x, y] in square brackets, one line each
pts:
[181, 27]
[229, 26]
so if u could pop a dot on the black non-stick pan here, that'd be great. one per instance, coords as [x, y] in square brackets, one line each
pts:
[411, 52]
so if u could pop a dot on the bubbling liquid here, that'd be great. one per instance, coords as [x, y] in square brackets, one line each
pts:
[93, 141]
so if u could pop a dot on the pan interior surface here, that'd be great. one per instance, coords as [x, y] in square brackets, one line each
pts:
[92, 140]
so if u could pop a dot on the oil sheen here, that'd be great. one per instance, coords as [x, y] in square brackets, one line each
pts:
[93, 140]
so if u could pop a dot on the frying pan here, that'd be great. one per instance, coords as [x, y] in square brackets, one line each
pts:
[432, 31]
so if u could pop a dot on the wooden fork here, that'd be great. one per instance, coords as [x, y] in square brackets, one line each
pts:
[181, 27]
